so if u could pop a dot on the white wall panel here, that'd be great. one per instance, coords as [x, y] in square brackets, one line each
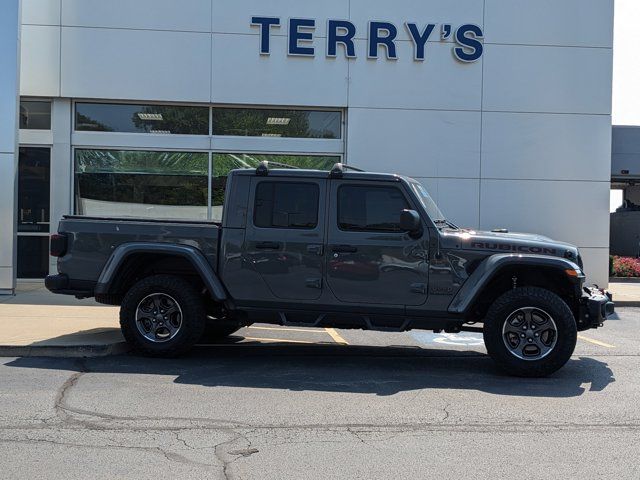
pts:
[183, 15]
[550, 22]
[8, 174]
[546, 146]
[235, 16]
[458, 200]
[421, 12]
[575, 212]
[596, 266]
[547, 79]
[440, 82]
[241, 75]
[41, 12]
[419, 143]
[135, 64]
[40, 61]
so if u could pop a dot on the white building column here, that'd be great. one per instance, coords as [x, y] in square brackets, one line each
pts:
[9, 105]
[61, 166]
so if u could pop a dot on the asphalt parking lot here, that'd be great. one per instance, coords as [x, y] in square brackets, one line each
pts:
[276, 403]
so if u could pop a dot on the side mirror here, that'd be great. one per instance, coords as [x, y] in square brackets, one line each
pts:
[410, 222]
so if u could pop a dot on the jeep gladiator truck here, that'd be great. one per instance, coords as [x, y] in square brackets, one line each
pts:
[346, 249]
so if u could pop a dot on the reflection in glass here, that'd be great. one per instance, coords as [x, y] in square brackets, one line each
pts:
[35, 115]
[257, 122]
[34, 168]
[223, 163]
[370, 208]
[120, 183]
[160, 119]
[286, 205]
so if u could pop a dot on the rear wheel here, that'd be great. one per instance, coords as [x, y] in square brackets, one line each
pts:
[530, 332]
[162, 315]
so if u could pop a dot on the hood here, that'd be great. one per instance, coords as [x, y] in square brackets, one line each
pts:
[507, 242]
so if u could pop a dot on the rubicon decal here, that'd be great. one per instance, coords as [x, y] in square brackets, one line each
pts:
[341, 34]
[505, 247]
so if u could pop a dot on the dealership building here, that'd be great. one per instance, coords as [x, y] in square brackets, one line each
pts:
[500, 108]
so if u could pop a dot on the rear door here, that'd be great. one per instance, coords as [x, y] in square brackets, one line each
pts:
[369, 259]
[285, 233]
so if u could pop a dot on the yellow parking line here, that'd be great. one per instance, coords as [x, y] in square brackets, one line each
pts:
[596, 342]
[336, 336]
[278, 340]
[288, 329]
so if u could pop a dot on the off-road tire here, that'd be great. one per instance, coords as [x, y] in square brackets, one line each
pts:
[193, 315]
[522, 298]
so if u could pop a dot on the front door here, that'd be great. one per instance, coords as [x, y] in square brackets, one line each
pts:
[33, 212]
[369, 259]
[285, 234]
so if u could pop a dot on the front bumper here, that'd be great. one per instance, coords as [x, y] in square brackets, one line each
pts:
[595, 306]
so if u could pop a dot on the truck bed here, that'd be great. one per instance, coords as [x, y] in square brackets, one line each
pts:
[91, 240]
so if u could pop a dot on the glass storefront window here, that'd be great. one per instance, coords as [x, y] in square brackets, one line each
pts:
[223, 163]
[148, 184]
[256, 122]
[34, 172]
[35, 115]
[158, 119]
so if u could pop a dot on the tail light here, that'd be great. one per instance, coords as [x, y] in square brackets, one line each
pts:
[58, 245]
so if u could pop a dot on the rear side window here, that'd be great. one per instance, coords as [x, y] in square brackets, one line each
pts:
[286, 205]
[364, 208]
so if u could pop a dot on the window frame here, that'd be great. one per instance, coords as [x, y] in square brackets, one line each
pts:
[372, 186]
[283, 182]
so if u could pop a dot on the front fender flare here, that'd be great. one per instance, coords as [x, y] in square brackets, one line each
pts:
[493, 265]
[193, 255]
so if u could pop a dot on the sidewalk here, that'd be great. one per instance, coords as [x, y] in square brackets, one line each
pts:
[37, 322]
[625, 294]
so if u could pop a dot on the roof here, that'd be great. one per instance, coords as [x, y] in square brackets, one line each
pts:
[304, 173]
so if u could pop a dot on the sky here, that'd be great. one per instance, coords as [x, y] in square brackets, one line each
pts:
[626, 63]
[626, 71]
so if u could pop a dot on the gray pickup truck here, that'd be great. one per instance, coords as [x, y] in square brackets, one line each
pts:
[346, 249]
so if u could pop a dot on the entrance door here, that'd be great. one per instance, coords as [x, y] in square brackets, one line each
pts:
[369, 258]
[284, 235]
[34, 165]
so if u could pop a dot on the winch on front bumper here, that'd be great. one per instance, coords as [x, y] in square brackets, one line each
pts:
[595, 306]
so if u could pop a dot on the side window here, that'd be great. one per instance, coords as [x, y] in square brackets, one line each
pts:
[368, 208]
[286, 205]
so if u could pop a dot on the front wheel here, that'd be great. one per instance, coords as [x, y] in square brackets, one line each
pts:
[162, 315]
[530, 332]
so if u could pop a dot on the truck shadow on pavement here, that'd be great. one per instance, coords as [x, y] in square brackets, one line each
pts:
[333, 368]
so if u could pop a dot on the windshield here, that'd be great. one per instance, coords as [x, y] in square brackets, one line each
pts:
[427, 202]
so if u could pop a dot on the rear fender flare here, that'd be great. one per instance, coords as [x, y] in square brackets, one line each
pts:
[193, 255]
[491, 267]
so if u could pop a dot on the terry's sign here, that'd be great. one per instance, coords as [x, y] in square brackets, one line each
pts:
[341, 33]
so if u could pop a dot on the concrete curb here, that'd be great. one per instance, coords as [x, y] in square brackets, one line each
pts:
[76, 351]
[626, 303]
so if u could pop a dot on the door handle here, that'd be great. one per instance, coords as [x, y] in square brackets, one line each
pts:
[344, 249]
[314, 283]
[268, 245]
[314, 249]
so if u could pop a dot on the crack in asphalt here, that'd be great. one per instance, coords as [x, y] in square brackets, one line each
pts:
[239, 445]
